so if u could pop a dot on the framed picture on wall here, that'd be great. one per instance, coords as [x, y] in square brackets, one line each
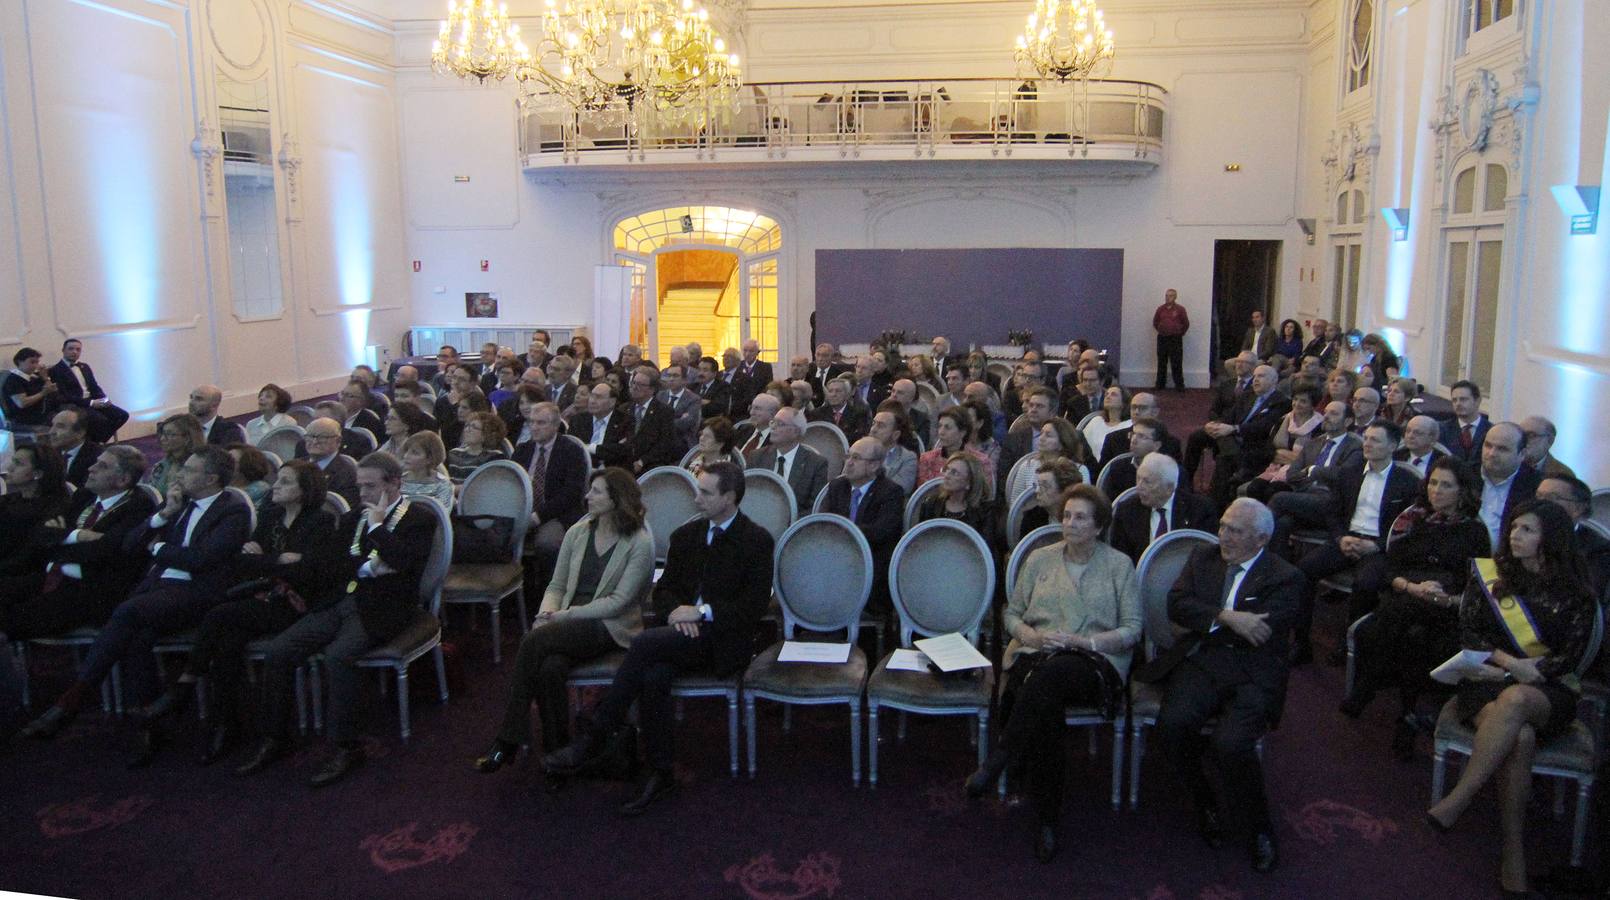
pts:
[480, 305]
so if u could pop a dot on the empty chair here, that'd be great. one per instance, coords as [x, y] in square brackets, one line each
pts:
[363, 441]
[1601, 507]
[769, 501]
[668, 494]
[497, 490]
[941, 579]
[822, 578]
[1160, 566]
[302, 414]
[282, 442]
[826, 438]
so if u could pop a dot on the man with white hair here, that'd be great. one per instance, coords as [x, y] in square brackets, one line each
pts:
[1540, 435]
[943, 361]
[804, 469]
[695, 352]
[1158, 506]
[1241, 440]
[752, 435]
[823, 369]
[750, 376]
[849, 414]
[1419, 450]
[1236, 605]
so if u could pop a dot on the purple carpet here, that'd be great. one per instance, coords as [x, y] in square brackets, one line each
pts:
[418, 822]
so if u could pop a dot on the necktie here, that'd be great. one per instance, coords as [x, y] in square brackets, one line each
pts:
[1324, 458]
[539, 476]
[1419, 462]
[555, 392]
[1162, 524]
[855, 502]
[838, 416]
[780, 465]
[1229, 582]
[715, 532]
[1466, 435]
[1257, 402]
[55, 576]
[641, 412]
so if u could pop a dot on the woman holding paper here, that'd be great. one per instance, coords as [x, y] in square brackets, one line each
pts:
[1527, 606]
[592, 607]
[1074, 616]
[1416, 626]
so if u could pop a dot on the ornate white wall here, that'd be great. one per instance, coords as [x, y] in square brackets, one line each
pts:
[114, 228]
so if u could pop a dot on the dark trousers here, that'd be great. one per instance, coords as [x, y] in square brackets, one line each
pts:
[1196, 696]
[26, 613]
[1295, 510]
[133, 629]
[1171, 354]
[338, 633]
[221, 646]
[1225, 450]
[1401, 643]
[1037, 722]
[1326, 560]
[547, 654]
[102, 422]
[655, 657]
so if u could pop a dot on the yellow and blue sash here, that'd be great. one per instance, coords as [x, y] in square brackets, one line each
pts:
[389, 524]
[1511, 612]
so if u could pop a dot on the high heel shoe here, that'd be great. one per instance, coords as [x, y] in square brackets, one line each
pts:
[1437, 824]
[978, 783]
[500, 754]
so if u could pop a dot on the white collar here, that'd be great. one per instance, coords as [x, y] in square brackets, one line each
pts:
[205, 502]
[111, 501]
[721, 525]
[1500, 484]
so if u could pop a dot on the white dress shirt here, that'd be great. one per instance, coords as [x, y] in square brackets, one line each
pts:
[199, 509]
[1367, 511]
[1494, 497]
[788, 462]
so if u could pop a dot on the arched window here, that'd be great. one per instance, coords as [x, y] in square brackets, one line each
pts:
[1473, 250]
[1485, 22]
[1360, 31]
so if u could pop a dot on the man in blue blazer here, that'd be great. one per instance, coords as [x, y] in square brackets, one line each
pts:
[1463, 434]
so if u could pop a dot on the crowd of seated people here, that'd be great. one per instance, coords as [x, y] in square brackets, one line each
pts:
[1322, 467]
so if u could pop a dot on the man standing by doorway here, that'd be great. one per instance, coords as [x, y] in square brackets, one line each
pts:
[1171, 322]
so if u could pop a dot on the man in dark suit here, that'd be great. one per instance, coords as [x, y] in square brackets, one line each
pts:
[1228, 388]
[87, 572]
[355, 397]
[1419, 450]
[1159, 505]
[1464, 433]
[1237, 604]
[533, 386]
[716, 584]
[204, 402]
[1260, 338]
[1241, 443]
[561, 390]
[1506, 481]
[714, 393]
[1039, 407]
[687, 408]
[904, 392]
[843, 410]
[69, 436]
[749, 377]
[750, 436]
[558, 470]
[1141, 406]
[1081, 394]
[865, 496]
[77, 386]
[192, 542]
[390, 543]
[1367, 500]
[604, 428]
[803, 468]
[869, 390]
[823, 369]
[1146, 436]
[944, 361]
[654, 440]
[1573, 495]
[1304, 499]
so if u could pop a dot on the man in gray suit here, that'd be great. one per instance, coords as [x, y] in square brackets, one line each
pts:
[685, 405]
[1311, 478]
[1260, 338]
[803, 468]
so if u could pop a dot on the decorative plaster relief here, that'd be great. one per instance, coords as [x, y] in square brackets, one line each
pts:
[290, 162]
[239, 31]
[210, 151]
[1054, 204]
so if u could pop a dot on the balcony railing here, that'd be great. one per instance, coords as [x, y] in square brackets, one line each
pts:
[1118, 121]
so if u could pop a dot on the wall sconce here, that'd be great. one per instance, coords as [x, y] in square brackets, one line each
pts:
[1307, 225]
[1232, 167]
[1397, 219]
[1581, 203]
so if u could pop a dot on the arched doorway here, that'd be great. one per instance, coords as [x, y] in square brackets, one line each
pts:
[701, 273]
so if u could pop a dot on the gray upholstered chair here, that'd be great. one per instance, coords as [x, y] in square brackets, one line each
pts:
[1352, 629]
[918, 496]
[668, 493]
[282, 441]
[827, 439]
[303, 415]
[1106, 471]
[1160, 566]
[1601, 506]
[942, 579]
[498, 488]
[822, 577]
[337, 505]
[1573, 755]
[1014, 516]
[769, 501]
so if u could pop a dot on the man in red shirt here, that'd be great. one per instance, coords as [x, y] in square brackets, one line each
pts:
[1171, 322]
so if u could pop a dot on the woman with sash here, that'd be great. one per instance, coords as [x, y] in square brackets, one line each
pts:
[1530, 608]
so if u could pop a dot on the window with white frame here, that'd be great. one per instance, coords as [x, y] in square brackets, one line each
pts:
[1483, 21]
[1473, 254]
[1360, 31]
[1347, 255]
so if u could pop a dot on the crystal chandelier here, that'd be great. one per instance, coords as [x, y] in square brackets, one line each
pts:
[478, 42]
[1065, 39]
[631, 56]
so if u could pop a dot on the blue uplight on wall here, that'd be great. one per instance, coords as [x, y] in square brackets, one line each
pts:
[1581, 203]
[351, 214]
[125, 208]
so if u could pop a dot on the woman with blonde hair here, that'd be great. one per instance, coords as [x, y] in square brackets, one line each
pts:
[423, 474]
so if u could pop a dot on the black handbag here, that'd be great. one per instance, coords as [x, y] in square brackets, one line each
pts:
[482, 539]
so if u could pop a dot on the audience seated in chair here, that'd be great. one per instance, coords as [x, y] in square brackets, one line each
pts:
[604, 427]
[322, 442]
[215, 430]
[686, 406]
[1465, 433]
[29, 397]
[1057, 439]
[1419, 450]
[77, 386]
[403, 421]
[842, 409]
[480, 442]
[1159, 505]
[192, 542]
[865, 496]
[892, 429]
[1074, 617]
[558, 470]
[716, 584]
[715, 445]
[802, 467]
[376, 600]
[254, 472]
[654, 440]
[1574, 496]
[593, 606]
[424, 470]
[952, 428]
[282, 572]
[36, 497]
[178, 436]
[272, 403]
[1039, 406]
[1241, 441]
[1507, 481]
[1144, 437]
[69, 434]
[1300, 499]
[962, 496]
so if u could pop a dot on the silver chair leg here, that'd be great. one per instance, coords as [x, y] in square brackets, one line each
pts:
[982, 720]
[732, 732]
[441, 673]
[402, 700]
[315, 693]
[749, 727]
[855, 742]
[497, 631]
[21, 651]
[300, 688]
[1137, 748]
[1579, 834]
[519, 607]
[1117, 765]
[1439, 766]
[872, 743]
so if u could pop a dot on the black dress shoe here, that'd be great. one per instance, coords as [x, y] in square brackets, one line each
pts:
[150, 742]
[342, 764]
[1045, 843]
[1403, 741]
[985, 776]
[501, 753]
[173, 701]
[1265, 856]
[268, 751]
[221, 741]
[569, 759]
[1209, 826]
[1354, 704]
[48, 725]
[661, 783]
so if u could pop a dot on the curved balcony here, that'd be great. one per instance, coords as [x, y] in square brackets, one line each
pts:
[1112, 125]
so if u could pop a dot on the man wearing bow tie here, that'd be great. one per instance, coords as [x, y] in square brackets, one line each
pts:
[77, 386]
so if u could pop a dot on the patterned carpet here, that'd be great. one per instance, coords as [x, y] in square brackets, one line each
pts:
[418, 822]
